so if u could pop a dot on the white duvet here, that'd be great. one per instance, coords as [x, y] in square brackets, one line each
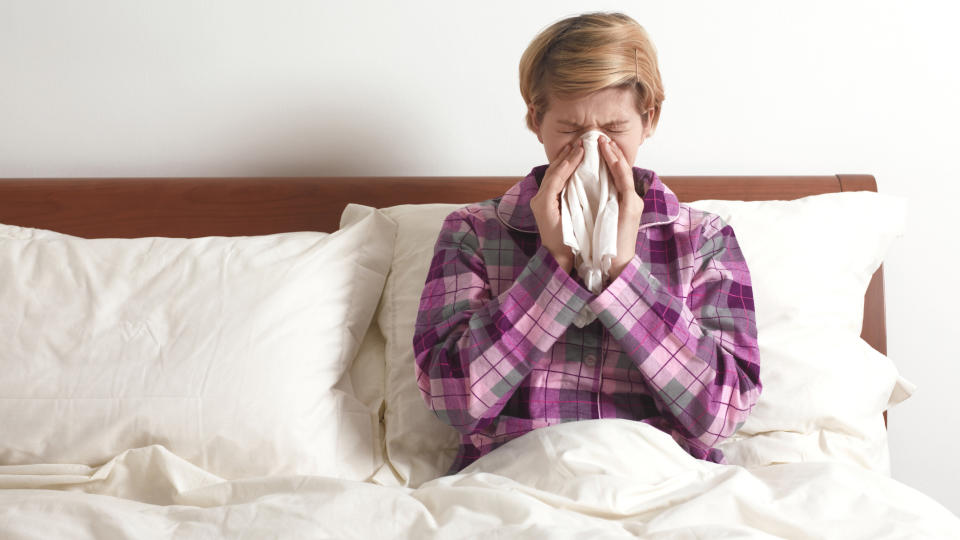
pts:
[590, 479]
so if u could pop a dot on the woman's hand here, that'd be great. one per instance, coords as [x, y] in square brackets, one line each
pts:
[631, 205]
[546, 203]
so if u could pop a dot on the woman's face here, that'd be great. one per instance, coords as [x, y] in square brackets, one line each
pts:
[612, 111]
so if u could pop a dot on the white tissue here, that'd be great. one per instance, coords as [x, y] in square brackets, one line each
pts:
[588, 217]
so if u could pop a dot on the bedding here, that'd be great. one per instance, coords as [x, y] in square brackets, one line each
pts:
[338, 442]
[592, 479]
[208, 346]
[824, 388]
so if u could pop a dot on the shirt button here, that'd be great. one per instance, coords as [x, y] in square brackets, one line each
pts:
[590, 360]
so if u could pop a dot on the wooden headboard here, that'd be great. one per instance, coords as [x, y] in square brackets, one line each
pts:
[191, 207]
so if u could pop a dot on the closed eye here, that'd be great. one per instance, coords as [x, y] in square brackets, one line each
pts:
[610, 130]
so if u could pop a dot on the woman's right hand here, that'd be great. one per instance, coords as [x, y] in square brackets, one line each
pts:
[546, 203]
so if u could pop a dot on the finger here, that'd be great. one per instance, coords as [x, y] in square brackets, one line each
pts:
[560, 171]
[551, 167]
[631, 204]
[617, 163]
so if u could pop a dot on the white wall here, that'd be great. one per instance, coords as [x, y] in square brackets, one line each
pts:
[294, 87]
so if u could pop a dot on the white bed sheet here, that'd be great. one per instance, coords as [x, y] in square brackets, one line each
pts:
[589, 479]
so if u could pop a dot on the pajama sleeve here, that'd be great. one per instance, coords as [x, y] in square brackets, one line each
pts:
[698, 355]
[473, 349]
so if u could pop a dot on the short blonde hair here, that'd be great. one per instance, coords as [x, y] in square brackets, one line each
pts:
[580, 55]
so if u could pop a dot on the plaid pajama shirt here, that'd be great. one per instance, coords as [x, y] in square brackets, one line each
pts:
[674, 344]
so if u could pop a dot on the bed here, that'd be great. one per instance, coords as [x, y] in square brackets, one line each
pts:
[231, 357]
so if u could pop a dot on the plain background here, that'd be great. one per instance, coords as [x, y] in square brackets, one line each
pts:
[301, 88]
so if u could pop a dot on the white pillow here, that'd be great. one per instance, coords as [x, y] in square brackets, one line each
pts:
[229, 351]
[810, 262]
[418, 445]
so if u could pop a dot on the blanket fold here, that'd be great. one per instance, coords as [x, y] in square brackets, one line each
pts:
[609, 478]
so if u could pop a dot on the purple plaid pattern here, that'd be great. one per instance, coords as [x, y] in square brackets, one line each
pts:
[674, 343]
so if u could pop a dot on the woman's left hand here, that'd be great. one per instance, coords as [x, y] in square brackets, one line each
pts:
[631, 205]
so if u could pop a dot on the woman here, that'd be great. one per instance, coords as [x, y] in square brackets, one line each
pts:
[674, 342]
